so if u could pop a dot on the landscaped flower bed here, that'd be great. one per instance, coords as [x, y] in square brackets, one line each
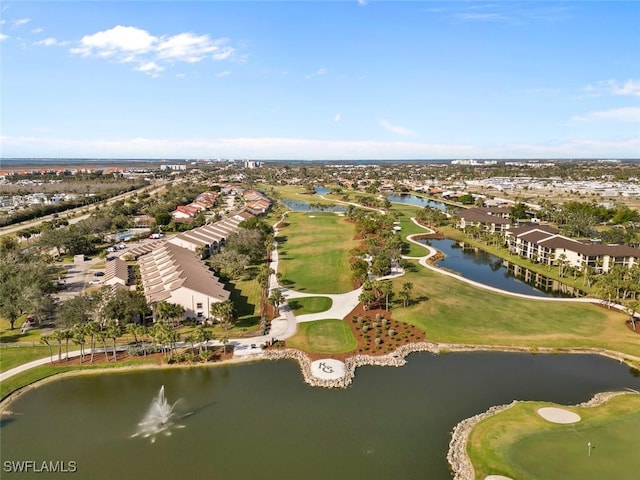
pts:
[378, 333]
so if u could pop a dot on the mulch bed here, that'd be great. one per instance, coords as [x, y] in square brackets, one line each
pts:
[156, 358]
[404, 333]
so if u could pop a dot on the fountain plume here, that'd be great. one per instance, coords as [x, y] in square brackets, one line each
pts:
[159, 419]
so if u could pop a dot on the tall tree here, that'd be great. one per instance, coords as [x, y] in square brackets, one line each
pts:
[169, 312]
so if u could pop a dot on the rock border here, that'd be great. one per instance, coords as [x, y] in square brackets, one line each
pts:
[457, 456]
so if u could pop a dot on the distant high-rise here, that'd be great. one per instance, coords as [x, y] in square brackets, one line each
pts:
[251, 163]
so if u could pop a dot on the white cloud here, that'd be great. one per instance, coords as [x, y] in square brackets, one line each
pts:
[20, 21]
[397, 129]
[363, 3]
[614, 87]
[225, 73]
[630, 87]
[37, 30]
[627, 114]
[317, 73]
[125, 44]
[3, 37]
[187, 47]
[150, 68]
[296, 148]
[47, 42]
[118, 40]
[482, 17]
[337, 118]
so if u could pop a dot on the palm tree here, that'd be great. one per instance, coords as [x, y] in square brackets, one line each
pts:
[46, 339]
[562, 264]
[276, 299]
[159, 332]
[406, 293]
[223, 311]
[113, 331]
[79, 338]
[168, 312]
[58, 336]
[224, 339]
[67, 334]
[203, 335]
[133, 329]
[633, 308]
[92, 329]
[387, 291]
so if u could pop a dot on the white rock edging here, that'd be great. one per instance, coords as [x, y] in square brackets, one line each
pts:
[457, 456]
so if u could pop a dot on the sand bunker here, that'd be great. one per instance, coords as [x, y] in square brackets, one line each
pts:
[497, 477]
[558, 415]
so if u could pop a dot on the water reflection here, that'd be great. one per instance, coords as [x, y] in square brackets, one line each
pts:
[418, 201]
[300, 206]
[483, 267]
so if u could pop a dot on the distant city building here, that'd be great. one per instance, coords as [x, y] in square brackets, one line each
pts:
[175, 167]
[251, 163]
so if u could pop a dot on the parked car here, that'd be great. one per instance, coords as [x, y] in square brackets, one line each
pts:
[98, 274]
[95, 282]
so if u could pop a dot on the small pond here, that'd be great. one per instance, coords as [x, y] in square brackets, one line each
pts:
[483, 267]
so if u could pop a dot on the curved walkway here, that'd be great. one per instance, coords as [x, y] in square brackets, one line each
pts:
[285, 325]
[424, 261]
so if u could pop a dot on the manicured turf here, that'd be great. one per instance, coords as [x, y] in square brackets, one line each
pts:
[451, 311]
[11, 357]
[305, 305]
[520, 444]
[9, 336]
[323, 336]
[245, 295]
[38, 373]
[314, 252]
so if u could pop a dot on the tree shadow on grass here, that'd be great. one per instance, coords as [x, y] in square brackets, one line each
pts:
[294, 305]
[245, 310]
[287, 283]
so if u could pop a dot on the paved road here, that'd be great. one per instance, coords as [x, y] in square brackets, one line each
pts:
[75, 215]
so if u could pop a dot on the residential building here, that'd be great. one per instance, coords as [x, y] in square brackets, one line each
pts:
[544, 244]
[175, 275]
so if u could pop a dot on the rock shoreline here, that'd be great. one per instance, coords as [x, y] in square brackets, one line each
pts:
[397, 358]
[393, 359]
[457, 456]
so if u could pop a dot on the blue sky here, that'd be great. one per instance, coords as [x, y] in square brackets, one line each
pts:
[320, 80]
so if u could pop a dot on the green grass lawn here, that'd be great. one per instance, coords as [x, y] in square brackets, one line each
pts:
[323, 336]
[451, 311]
[405, 213]
[38, 373]
[520, 444]
[245, 295]
[314, 252]
[305, 305]
[10, 336]
[13, 356]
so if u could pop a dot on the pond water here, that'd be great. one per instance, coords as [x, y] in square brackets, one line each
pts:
[417, 201]
[483, 267]
[321, 190]
[262, 421]
[300, 206]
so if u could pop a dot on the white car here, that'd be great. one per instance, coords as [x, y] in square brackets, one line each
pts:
[95, 282]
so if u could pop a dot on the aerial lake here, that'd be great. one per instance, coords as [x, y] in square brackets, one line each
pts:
[483, 267]
[417, 201]
[261, 420]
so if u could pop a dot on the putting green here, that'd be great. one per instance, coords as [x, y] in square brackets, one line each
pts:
[518, 443]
